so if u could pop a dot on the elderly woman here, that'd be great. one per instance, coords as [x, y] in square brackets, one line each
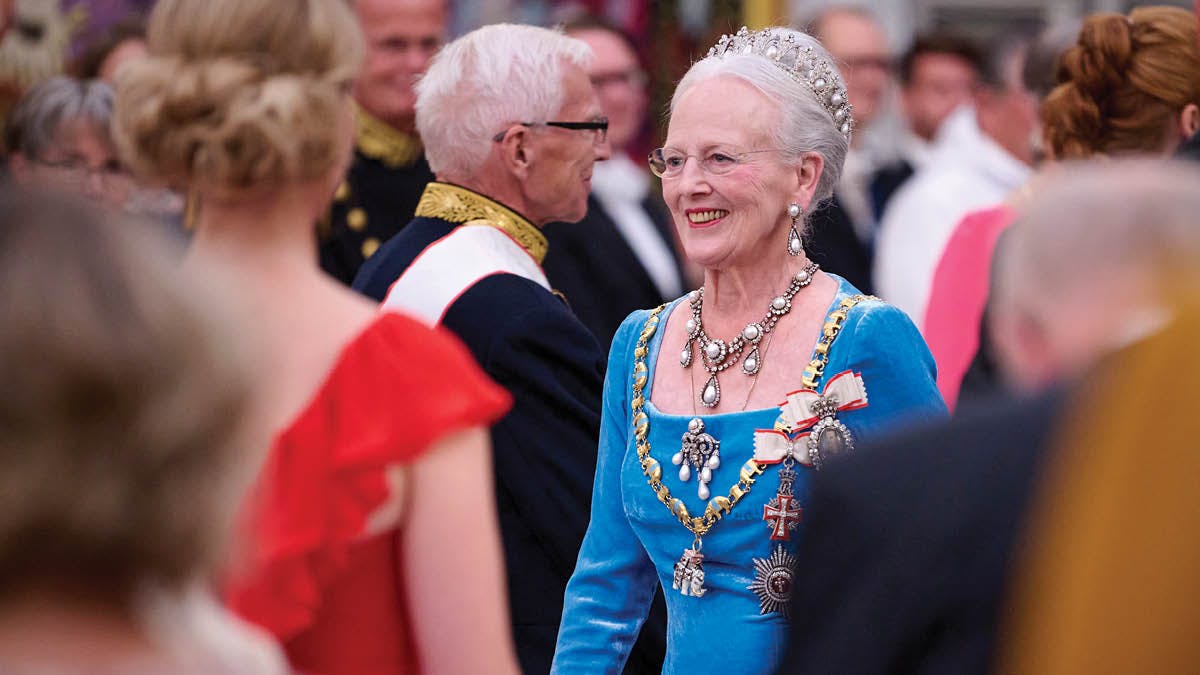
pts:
[772, 368]
[121, 452]
[58, 137]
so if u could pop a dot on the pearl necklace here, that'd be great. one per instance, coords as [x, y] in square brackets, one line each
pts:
[717, 355]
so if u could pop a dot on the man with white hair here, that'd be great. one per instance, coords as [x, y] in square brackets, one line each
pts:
[511, 127]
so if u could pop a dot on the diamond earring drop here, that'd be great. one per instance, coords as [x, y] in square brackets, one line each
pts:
[795, 245]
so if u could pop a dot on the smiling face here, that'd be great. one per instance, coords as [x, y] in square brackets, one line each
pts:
[560, 174]
[401, 38]
[739, 217]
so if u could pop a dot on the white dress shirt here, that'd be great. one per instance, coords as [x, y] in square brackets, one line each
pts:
[620, 186]
[967, 171]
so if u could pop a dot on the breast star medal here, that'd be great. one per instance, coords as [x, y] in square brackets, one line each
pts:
[773, 581]
[689, 574]
[782, 513]
[700, 452]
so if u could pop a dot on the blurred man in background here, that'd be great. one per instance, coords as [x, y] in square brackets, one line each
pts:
[389, 171]
[938, 73]
[983, 153]
[843, 228]
[622, 256]
[924, 591]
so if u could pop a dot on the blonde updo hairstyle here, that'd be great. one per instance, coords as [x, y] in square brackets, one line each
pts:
[1123, 84]
[238, 94]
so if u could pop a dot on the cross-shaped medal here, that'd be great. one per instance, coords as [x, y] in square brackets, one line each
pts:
[782, 513]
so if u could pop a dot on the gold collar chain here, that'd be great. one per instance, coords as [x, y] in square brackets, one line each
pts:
[833, 325]
[720, 505]
[459, 205]
[379, 140]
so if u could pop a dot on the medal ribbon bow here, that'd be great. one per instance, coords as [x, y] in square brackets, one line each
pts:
[797, 414]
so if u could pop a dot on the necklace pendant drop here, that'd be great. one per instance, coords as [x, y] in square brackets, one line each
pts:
[710, 395]
[752, 363]
[685, 356]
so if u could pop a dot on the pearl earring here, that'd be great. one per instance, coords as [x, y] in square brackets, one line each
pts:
[795, 245]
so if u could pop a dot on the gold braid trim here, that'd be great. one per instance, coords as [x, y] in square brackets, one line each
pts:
[379, 140]
[717, 506]
[459, 205]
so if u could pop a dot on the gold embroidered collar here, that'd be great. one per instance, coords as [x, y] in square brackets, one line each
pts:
[379, 140]
[460, 205]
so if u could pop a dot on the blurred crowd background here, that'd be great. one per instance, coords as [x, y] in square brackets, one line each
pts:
[975, 121]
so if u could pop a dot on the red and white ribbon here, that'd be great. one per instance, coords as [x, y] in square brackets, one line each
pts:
[772, 446]
[847, 387]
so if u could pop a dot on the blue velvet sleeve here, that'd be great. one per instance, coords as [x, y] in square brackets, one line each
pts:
[614, 581]
[899, 372]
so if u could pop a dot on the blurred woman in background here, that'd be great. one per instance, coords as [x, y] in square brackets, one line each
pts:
[371, 540]
[57, 136]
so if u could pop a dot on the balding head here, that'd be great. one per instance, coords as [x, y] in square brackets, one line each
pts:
[858, 43]
[1084, 268]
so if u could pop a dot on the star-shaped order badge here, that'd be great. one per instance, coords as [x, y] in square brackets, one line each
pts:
[773, 581]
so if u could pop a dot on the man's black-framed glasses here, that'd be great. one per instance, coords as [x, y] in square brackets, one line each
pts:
[598, 125]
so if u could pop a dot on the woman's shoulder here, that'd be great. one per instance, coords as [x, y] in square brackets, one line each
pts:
[396, 388]
[858, 305]
[406, 382]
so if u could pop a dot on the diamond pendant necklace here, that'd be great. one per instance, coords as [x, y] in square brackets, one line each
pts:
[717, 355]
[700, 451]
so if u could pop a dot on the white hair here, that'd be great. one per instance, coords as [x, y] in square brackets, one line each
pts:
[1124, 222]
[35, 121]
[495, 76]
[805, 126]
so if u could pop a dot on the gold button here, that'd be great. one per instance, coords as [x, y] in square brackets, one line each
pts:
[369, 247]
[356, 220]
[343, 191]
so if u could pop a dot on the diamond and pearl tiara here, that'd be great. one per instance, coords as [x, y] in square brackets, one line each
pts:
[800, 62]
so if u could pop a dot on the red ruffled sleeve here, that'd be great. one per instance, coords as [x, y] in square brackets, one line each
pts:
[396, 388]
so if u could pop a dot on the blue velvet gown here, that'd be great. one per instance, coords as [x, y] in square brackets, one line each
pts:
[633, 542]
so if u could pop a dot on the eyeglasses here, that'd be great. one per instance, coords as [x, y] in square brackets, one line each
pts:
[77, 173]
[668, 163]
[599, 126]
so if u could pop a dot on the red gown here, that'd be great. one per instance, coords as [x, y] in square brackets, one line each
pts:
[333, 599]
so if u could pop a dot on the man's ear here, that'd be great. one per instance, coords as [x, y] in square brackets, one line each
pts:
[517, 151]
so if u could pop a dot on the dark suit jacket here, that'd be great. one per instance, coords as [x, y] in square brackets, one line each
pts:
[884, 183]
[594, 266]
[544, 449]
[905, 558]
[832, 243]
